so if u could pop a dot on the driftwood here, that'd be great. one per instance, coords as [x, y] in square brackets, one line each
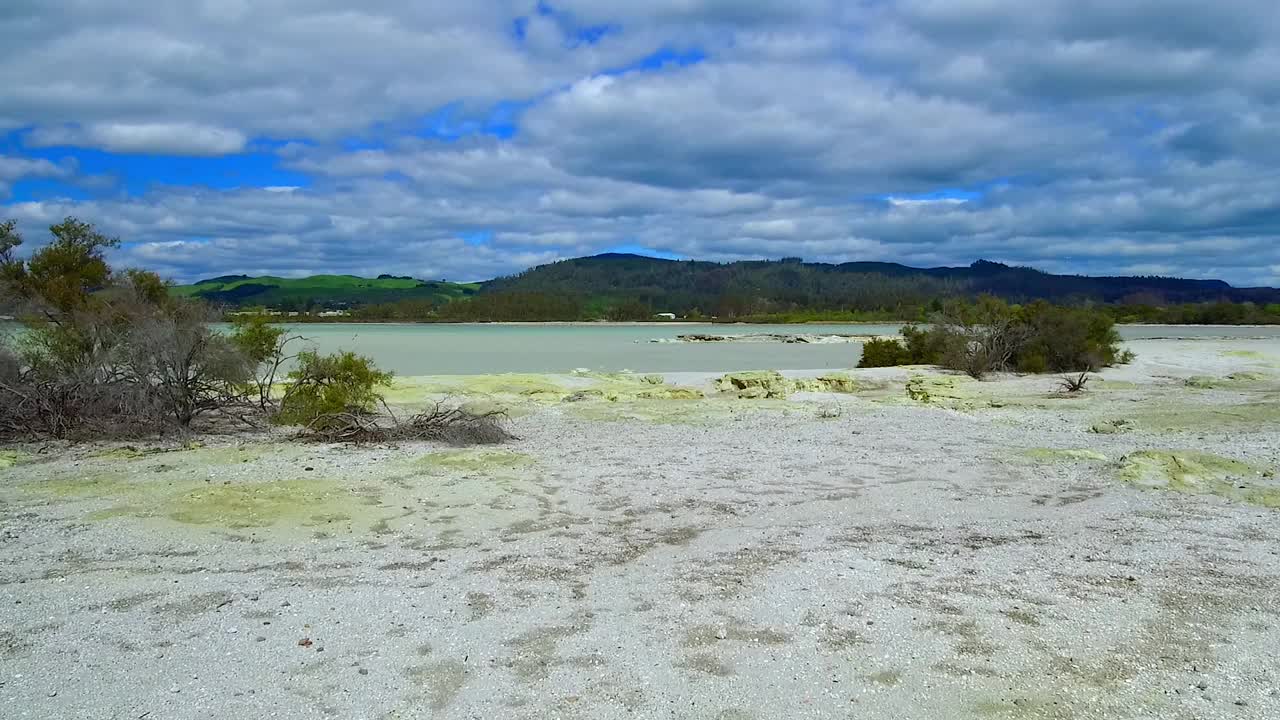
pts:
[442, 423]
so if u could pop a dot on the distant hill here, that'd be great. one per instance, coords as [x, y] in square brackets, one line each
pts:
[327, 291]
[620, 286]
[770, 286]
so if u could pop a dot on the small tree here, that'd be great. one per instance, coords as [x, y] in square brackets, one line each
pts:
[189, 368]
[265, 346]
[980, 338]
[328, 385]
[884, 352]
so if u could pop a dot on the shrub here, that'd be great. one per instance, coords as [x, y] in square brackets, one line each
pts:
[925, 347]
[265, 346]
[1067, 339]
[990, 335]
[884, 352]
[1073, 384]
[187, 367]
[452, 425]
[104, 353]
[329, 385]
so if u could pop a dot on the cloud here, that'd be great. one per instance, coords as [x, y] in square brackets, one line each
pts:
[1074, 135]
[13, 169]
[183, 139]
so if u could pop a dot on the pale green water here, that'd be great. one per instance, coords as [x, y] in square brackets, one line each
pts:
[481, 349]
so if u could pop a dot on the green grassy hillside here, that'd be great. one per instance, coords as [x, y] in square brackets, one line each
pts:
[329, 291]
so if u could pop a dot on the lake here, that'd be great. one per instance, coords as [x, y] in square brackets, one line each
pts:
[473, 349]
[479, 349]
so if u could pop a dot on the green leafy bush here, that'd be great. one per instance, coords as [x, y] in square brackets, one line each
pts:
[925, 347]
[265, 346]
[884, 352]
[323, 385]
[990, 335]
[1062, 339]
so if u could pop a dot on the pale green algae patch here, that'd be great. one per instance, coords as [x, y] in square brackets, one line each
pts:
[1198, 473]
[771, 384]
[298, 503]
[195, 455]
[948, 391]
[519, 394]
[305, 503]
[474, 461]
[1073, 455]
[1234, 380]
[710, 411]
[9, 458]
[1251, 416]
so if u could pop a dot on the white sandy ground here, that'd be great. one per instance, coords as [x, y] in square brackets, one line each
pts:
[719, 558]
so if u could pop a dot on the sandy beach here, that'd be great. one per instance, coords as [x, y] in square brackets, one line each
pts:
[895, 543]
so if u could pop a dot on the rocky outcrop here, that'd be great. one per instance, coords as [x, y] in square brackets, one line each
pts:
[756, 385]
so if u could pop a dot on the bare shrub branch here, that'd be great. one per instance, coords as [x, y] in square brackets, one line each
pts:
[442, 423]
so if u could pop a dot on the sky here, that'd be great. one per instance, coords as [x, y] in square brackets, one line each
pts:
[468, 140]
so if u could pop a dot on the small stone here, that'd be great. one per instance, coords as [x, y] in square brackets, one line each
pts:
[363, 671]
[260, 639]
[232, 630]
[53, 693]
[175, 689]
[308, 468]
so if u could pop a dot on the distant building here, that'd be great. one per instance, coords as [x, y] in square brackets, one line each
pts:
[666, 316]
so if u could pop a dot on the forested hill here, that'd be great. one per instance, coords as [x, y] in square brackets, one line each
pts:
[323, 291]
[747, 287]
[633, 287]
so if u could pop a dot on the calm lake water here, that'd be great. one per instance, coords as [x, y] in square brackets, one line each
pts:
[480, 349]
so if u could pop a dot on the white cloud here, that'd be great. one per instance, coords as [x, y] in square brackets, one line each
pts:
[149, 138]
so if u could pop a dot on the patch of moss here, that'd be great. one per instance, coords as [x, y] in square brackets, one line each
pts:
[284, 504]
[1105, 384]
[127, 452]
[1248, 354]
[756, 384]
[9, 458]
[1110, 427]
[708, 411]
[1252, 416]
[1197, 473]
[475, 461]
[671, 393]
[946, 391]
[1075, 454]
[1204, 382]
[298, 503]
[105, 486]
[834, 382]
[519, 386]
